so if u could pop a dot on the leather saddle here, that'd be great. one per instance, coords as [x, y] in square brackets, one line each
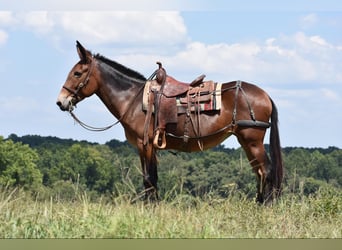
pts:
[167, 98]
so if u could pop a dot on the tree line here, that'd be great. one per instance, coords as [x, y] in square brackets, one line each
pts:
[60, 168]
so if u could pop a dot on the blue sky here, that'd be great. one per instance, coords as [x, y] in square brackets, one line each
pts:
[292, 50]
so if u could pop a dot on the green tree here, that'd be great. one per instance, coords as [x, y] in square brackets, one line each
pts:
[336, 168]
[63, 165]
[92, 166]
[218, 172]
[18, 165]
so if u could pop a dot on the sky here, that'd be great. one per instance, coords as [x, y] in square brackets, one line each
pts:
[291, 49]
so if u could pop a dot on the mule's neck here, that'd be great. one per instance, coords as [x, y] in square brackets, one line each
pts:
[117, 90]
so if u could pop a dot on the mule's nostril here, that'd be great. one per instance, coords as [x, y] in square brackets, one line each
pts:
[59, 103]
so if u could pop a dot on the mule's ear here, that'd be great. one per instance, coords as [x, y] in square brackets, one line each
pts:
[82, 52]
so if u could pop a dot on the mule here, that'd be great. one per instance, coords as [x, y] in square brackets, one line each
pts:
[246, 112]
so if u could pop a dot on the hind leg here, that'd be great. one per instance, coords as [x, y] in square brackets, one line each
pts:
[251, 139]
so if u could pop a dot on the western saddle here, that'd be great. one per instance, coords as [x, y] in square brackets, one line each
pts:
[166, 98]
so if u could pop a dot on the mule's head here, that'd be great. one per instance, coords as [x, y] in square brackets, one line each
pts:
[81, 81]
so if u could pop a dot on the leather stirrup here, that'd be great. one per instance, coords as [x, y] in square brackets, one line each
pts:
[159, 140]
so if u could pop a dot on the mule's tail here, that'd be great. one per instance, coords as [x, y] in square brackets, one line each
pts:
[275, 153]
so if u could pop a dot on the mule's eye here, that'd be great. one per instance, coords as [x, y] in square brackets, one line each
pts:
[77, 74]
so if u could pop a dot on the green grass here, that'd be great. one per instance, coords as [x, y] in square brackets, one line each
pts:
[183, 217]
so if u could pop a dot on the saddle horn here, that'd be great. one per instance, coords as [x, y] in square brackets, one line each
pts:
[161, 74]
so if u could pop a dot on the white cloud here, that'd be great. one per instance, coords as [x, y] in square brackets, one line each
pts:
[319, 41]
[299, 108]
[3, 37]
[39, 21]
[308, 20]
[330, 95]
[6, 19]
[125, 27]
[140, 38]
[100, 27]
[102, 5]
[297, 58]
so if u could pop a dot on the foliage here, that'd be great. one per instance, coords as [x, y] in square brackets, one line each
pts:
[56, 188]
[54, 167]
[18, 165]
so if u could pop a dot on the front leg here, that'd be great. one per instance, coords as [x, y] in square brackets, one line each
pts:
[149, 164]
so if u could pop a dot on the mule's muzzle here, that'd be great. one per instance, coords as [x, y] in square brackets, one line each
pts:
[65, 104]
[59, 104]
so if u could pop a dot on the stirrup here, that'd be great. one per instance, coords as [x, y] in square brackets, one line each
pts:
[159, 141]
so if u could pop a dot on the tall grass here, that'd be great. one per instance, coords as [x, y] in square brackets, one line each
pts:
[184, 216]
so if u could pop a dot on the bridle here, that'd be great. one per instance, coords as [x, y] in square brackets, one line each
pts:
[75, 93]
[81, 85]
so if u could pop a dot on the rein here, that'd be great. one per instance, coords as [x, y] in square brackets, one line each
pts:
[91, 128]
[101, 129]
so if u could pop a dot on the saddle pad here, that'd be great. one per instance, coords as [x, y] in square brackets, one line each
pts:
[147, 92]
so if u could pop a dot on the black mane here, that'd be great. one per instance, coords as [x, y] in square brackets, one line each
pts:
[121, 68]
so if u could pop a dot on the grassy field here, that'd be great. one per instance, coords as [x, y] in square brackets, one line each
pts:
[182, 217]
